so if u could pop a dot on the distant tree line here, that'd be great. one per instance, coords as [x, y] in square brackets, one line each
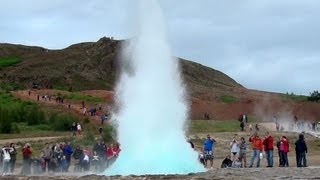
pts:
[314, 96]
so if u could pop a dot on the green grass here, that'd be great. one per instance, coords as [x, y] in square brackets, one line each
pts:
[9, 61]
[8, 100]
[61, 87]
[7, 87]
[32, 134]
[17, 115]
[204, 126]
[228, 99]
[294, 97]
[82, 97]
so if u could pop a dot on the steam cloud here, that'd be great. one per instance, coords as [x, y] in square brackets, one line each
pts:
[152, 109]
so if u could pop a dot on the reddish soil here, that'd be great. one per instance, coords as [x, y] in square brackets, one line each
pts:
[75, 106]
[262, 105]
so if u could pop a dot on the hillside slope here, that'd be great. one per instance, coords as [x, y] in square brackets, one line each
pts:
[93, 65]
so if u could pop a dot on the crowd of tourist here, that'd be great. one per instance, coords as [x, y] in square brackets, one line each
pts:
[59, 157]
[238, 151]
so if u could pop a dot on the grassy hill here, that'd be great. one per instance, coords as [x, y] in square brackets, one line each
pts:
[90, 65]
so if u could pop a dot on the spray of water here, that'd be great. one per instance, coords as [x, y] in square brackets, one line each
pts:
[152, 110]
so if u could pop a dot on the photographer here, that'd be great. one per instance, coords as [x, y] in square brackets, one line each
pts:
[256, 143]
[26, 152]
[234, 148]
[208, 146]
[6, 150]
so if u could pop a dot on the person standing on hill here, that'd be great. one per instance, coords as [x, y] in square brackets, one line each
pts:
[79, 129]
[256, 142]
[74, 129]
[301, 151]
[268, 148]
[208, 146]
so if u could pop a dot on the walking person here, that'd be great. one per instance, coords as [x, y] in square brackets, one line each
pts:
[84, 112]
[243, 152]
[74, 129]
[79, 129]
[268, 148]
[301, 151]
[256, 143]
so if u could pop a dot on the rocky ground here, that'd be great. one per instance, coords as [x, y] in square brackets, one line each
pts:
[248, 173]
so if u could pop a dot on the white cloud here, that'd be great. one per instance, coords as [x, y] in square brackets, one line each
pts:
[268, 45]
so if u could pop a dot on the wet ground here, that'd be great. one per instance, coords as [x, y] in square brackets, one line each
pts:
[247, 173]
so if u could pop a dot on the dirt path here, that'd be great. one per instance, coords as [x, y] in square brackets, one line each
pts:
[75, 106]
[33, 139]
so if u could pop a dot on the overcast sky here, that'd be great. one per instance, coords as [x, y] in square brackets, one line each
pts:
[267, 45]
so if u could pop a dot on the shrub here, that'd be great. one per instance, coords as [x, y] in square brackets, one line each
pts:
[35, 117]
[314, 96]
[295, 97]
[86, 120]
[61, 122]
[5, 122]
[88, 139]
[9, 61]
[108, 134]
[228, 99]
[78, 96]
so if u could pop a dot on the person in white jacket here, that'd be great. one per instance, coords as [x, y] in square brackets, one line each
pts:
[6, 150]
[234, 148]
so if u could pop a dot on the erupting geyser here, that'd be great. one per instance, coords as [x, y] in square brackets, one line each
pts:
[153, 110]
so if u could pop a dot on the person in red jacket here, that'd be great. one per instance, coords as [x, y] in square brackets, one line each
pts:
[268, 148]
[26, 153]
[257, 146]
[110, 155]
[285, 151]
[116, 149]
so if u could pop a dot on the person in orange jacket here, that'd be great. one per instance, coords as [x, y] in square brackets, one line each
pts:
[257, 146]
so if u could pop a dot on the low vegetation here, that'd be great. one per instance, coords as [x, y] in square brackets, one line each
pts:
[294, 97]
[9, 61]
[228, 99]
[78, 96]
[314, 96]
[16, 114]
[210, 126]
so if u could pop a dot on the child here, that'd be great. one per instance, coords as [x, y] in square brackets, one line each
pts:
[236, 163]
[95, 161]
[64, 164]
[226, 162]
[201, 157]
